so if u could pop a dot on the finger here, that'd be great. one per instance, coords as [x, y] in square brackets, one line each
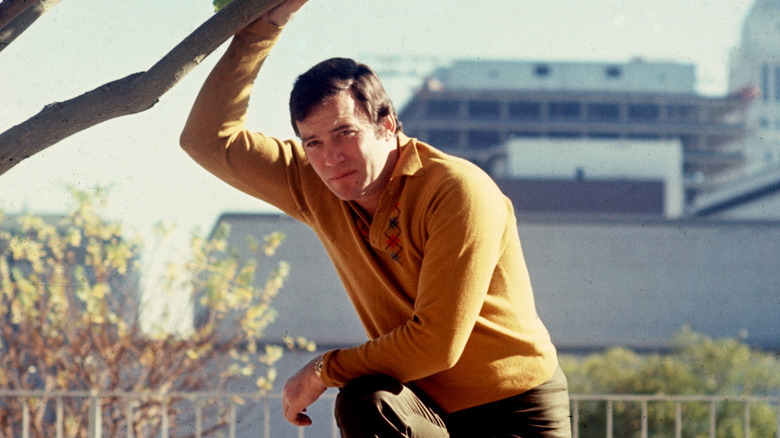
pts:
[291, 417]
[283, 13]
[289, 414]
[295, 415]
[295, 5]
[303, 420]
[297, 418]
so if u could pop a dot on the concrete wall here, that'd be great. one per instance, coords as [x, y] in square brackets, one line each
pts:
[312, 302]
[635, 283]
[598, 283]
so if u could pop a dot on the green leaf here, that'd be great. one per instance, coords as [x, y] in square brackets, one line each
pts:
[219, 4]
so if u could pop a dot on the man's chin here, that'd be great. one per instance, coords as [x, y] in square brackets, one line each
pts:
[344, 196]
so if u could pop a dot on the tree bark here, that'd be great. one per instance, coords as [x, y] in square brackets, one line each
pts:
[132, 94]
[17, 15]
[10, 9]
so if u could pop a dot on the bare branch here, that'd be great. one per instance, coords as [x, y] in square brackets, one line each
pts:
[10, 9]
[18, 15]
[129, 95]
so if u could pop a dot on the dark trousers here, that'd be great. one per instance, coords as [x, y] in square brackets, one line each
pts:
[379, 406]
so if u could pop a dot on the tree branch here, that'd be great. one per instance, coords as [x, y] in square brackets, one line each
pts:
[10, 9]
[132, 94]
[18, 15]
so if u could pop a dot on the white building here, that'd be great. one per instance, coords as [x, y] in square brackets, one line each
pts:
[756, 66]
[754, 72]
[628, 160]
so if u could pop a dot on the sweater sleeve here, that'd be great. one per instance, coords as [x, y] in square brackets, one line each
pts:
[465, 223]
[215, 135]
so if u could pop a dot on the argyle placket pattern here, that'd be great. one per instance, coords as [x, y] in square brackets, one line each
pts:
[361, 226]
[393, 233]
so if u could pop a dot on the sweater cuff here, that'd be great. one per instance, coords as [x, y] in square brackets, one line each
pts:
[325, 374]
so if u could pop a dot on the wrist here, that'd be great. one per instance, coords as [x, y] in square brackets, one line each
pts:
[318, 367]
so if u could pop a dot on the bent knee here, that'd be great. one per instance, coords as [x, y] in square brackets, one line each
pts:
[366, 394]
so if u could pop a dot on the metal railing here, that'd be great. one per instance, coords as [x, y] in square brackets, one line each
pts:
[96, 400]
[712, 401]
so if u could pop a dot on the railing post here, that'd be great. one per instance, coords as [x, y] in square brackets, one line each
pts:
[713, 422]
[232, 419]
[334, 428]
[677, 419]
[129, 417]
[777, 423]
[165, 428]
[575, 419]
[267, 416]
[94, 422]
[644, 419]
[198, 420]
[25, 419]
[609, 418]
[747, 419]
[60, 417]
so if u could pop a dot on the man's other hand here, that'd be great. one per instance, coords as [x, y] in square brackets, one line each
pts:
[300, 391]
[281, 14]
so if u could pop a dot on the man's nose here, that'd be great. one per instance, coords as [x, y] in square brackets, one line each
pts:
[333, 156]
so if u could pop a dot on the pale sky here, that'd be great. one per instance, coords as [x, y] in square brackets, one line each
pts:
[81, 44]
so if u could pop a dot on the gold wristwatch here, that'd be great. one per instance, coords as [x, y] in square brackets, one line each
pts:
[318, 368]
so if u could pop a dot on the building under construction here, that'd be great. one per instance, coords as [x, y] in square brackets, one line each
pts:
[475, 109]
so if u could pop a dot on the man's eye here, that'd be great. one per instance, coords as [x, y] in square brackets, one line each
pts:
[312, 144]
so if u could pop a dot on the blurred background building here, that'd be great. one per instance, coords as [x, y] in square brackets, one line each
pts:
[616, 124]
[546, 127]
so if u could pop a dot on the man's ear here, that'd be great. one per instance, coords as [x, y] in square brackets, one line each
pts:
[389, 126]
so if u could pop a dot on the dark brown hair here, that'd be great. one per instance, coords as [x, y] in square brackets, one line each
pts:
[332, 76]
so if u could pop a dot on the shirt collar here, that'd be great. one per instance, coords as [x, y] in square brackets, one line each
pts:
[409, 162]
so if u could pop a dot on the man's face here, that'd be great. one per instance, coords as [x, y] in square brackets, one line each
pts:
[345, 149]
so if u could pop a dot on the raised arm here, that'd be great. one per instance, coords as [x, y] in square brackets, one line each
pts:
[215, 134]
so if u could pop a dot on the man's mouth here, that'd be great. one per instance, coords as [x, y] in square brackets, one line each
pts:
[342, 175]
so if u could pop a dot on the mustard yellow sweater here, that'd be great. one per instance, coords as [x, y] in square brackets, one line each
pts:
[437, 276]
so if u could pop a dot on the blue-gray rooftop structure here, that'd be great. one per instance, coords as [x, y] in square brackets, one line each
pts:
[637, 76]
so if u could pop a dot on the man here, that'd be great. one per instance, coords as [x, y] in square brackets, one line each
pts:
[425, 244]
